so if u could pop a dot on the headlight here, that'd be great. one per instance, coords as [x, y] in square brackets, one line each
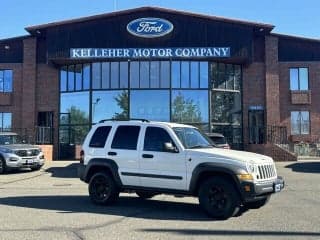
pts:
[7, 150]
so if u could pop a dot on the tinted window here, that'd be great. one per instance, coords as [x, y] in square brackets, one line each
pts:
[126, 137]
[155, 138]
[99, 137]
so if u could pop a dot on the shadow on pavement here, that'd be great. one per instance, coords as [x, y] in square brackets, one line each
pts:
[305, 167]
[70, 171]
[198, 232]
[125, 206]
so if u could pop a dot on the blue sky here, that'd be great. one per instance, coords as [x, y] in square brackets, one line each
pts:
[293, 17]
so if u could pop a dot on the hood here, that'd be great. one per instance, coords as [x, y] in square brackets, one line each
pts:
[228, 154]
[19, 146]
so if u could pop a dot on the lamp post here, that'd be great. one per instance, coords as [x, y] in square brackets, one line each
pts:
[94, 106]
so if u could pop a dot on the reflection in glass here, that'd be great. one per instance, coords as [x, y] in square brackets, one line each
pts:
[144, 75]
[154, 74]
[303, 77]
[175, 74]
[204, 74]
[123, 74]
[86, 76]
[226, 108]
[185, 74]
[76, 106]
[294, 73]
[134, 74]
[189, 106]
[157, 109]
[5, 121]
[8, 81]
[105, 75]
[1, 81]
[71, 78]
[109, 105]
[63, 79]
[237, 77]
[78, 72]
[194, 74]
[96, 75]
[114, 75]
[164, 74]
[229, 76]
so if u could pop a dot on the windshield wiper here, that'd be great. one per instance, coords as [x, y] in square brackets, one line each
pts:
[200, 146]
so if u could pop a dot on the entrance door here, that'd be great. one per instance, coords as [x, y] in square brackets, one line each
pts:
[256, 127]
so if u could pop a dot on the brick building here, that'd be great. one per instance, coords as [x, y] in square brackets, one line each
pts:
[260, 89]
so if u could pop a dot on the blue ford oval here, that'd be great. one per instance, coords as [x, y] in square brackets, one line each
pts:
[150, 27]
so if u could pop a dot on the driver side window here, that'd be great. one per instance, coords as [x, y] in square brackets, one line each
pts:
[155, 138]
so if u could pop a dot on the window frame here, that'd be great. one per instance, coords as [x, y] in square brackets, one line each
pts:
[163, 129]
[105, 137]
[3, 88]
[300, 123]
[115, 135]
[299, 81]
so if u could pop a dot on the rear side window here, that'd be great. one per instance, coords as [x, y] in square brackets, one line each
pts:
[99, 137]
[126, 137]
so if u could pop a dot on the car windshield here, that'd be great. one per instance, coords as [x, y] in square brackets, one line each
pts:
[10, 139]
[192, 138]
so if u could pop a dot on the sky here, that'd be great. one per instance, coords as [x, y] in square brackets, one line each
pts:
[292, 17]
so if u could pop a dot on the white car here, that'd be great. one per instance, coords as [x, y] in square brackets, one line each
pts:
[14, 153]
[161, 157]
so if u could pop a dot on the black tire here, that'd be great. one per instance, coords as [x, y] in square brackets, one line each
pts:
[258, 204]
[219, 198]
[145, 195]
[3, 166]
[102, 189]
[36, 168]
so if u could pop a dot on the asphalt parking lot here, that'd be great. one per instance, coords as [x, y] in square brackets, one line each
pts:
[53, 204]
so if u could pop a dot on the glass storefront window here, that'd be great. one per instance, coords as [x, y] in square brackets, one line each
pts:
[109, 105]
[194, 74]
[185, 74]
[164, 74]
[96, 75]
[175, 74]
[78, 72]
[123, 74]
[134, 74]
[155, 74]
[114, 75]
[144, 75]
[63, 79]
[71, 78]
[8, 81]
[204, 74]
[157, 109]
[189, 106]
[105, 75]
[86, 76]
[75, 107]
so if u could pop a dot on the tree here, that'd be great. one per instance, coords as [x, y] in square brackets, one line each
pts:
[185, 110]
[123, 103]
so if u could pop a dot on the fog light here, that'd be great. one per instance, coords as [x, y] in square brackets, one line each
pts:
[247, 188]
[245, 177]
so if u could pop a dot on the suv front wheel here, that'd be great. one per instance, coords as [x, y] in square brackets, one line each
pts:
[102, 189]
[219, 198]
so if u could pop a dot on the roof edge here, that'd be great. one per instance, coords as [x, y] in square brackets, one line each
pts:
[32, 29]
[15, 38]
[295, 37]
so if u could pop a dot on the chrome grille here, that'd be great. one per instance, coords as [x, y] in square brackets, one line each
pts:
[266, 171]
[27, 153]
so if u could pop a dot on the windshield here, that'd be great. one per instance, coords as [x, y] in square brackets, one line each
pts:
[10, 139]
[192, 138]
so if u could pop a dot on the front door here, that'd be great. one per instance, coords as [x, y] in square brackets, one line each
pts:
[256, 127]
[159, 168]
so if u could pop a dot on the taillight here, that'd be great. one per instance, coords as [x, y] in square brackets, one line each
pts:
[82, 156]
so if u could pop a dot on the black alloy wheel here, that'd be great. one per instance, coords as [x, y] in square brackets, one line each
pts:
[102, 189]
[219, 198]
[2, 165]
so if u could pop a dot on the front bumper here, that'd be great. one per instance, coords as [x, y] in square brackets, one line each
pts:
[256, 191]
[20, 162]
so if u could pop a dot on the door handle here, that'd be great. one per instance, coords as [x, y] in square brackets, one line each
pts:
[147, 155]
[112, 153]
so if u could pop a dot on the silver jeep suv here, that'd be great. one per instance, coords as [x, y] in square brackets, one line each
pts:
[15, 153]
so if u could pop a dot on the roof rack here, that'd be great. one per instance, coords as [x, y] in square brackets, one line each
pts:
[129, 119]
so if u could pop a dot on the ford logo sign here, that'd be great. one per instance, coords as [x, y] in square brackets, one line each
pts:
[149, 27]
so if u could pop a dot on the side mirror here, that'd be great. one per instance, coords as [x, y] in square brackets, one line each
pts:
[168, 147]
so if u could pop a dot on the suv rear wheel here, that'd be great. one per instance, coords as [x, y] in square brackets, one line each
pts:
[102, 189]
[2, 165]
[219, 198]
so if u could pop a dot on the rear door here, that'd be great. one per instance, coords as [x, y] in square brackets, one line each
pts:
[124, 150]
[159, 168]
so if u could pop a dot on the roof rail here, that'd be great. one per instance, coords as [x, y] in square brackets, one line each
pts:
[129, 119]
